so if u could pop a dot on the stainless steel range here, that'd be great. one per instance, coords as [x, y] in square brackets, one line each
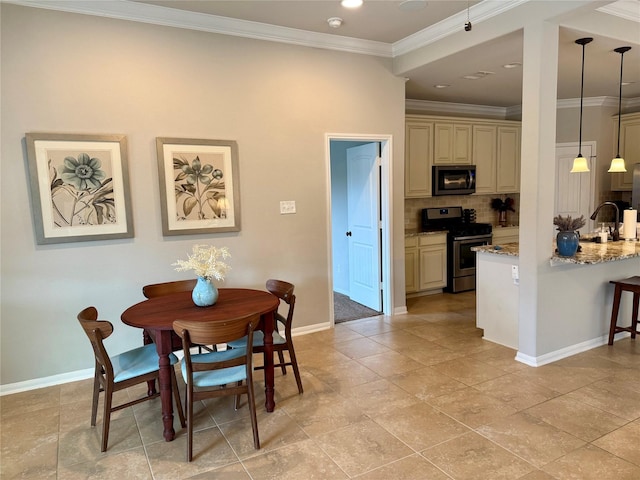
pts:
[462, 234]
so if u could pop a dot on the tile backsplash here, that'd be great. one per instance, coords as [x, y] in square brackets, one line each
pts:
[481, 203]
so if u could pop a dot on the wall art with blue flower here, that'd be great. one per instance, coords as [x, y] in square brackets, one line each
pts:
[79, 187]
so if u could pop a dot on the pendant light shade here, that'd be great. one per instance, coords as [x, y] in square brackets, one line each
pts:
[580, 163]
[617, 164]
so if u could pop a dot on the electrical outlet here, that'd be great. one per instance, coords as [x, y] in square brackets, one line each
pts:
[287, 207]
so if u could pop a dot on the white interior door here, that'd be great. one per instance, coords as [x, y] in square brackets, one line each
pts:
[363, 198]
[575, 191]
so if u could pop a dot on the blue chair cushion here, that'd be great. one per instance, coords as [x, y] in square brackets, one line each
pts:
[258, 340]
[137, 362]
[214, 378]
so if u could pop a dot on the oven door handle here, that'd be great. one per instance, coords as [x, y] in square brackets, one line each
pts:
[475, 238]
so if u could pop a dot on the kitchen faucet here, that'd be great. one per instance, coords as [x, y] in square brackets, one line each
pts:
[615, 235]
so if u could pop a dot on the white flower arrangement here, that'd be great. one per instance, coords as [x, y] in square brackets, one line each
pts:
[206, 261]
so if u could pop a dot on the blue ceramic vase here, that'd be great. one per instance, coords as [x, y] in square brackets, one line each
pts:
[204, 293]
[567, 243]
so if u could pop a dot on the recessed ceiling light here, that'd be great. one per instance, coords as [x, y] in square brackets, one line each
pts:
[351, 3]
[412, 5]
[441, 85]
[512, 65]
[478, 75]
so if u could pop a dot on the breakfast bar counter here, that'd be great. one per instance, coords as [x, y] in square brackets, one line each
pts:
[589, 253]
[580, 297]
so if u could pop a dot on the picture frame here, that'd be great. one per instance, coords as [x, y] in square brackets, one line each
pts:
[79, 187]
[199, 185]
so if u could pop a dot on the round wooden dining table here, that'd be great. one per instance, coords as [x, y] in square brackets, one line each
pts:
[156, 317]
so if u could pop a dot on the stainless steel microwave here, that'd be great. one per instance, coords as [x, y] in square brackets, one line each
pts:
[453, 179]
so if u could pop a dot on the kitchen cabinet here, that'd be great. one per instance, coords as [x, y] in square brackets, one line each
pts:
[411, 264]
[452, 144]
[484, 157]
[426, 262]
[503, 235]
[508, 159]
[629, 149]
[418, 158]
[492, 145]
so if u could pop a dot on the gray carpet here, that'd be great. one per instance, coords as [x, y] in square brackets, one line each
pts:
[346, 309]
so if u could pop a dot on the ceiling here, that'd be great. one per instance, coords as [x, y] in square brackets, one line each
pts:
[391, 25]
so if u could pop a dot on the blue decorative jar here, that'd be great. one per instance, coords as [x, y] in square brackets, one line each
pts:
[567, 243]
[204, 293]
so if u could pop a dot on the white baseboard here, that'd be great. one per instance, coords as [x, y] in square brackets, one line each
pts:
[400, 310]
[567, 351]
[18, 387]
[46, 381]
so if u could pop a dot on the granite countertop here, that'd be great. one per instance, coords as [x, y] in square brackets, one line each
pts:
[415, 233]
[510, 249]
[591, 252]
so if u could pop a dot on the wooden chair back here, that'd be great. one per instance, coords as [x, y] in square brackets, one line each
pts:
[284, 291]
[167, 288]
[97, 331]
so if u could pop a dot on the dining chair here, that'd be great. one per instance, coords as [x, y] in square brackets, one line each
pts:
[221, 373]
[284, 291]
[118, 372]
[167, 288]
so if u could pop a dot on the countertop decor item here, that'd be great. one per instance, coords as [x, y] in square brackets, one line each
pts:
[568, 238]
[502, 206]
[207, 262]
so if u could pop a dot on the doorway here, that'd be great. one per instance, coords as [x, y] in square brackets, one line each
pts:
[359, 204]
[575, 192]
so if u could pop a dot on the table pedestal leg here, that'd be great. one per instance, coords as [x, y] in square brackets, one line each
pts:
[163, 344]
[268, 320]
[151, 384]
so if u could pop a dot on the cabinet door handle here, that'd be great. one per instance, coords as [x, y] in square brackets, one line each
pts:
[348, 234]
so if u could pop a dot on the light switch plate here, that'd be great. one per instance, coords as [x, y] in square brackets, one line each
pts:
[515, 274]
[287, 207]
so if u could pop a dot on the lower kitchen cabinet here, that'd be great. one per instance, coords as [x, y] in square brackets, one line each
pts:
[426, 262]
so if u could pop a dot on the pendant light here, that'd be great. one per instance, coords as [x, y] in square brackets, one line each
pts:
[580, 163]
[617, 164]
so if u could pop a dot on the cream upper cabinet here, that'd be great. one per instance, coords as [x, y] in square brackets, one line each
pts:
[492, 145]
[418, 158]
[452, 143]
[629, 149]
[508, 160]
[484, 157]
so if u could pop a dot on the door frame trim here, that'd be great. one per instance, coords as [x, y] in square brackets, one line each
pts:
[386, 209]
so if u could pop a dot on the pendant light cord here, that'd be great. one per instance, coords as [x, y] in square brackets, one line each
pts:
[583, 42]
[621, 51]
[581, 97]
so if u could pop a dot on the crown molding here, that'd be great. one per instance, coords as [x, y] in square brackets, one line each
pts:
[512, 111]
[455, 108]
[170, 17]
[627, 9]
[480, 12]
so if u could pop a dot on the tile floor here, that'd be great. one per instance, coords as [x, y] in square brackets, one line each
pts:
[417, 396]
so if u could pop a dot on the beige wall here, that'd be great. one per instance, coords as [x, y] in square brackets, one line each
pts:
[69, 73]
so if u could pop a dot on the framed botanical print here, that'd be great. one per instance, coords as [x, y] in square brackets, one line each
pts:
[199, 186]
[79, 187]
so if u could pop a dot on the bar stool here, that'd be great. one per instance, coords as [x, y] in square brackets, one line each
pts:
[631, 284]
